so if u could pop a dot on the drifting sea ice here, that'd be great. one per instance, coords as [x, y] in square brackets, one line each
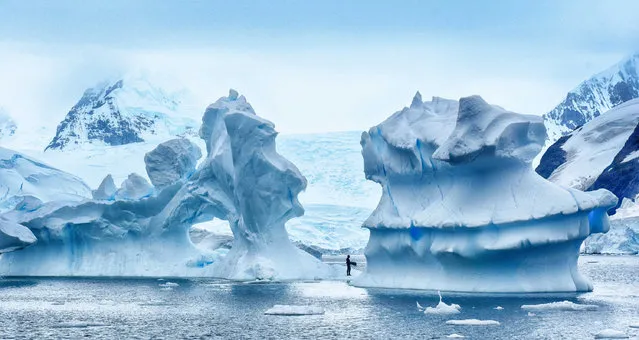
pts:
[456, 336]
[560, 306]
[473, 322]
[442, 308]
[291, 310]
[611, 334]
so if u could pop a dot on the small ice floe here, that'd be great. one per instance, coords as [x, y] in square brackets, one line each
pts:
[634, 325]
[499, 308]
[442, 308]
[169, 284]
[531, 314]
[78, 324]
[455, 336]
[473, 322]
[291, 310]
[160, 279]
[611, 334]
[419, 307]
[560, 306]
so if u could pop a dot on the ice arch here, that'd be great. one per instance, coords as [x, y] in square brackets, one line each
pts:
[242, 180]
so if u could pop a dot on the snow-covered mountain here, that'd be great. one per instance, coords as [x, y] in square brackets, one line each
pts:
[8, 127]
[603, 153]
[594, 97]
[129, 110]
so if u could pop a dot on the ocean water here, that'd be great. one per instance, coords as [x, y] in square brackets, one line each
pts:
[115, 308]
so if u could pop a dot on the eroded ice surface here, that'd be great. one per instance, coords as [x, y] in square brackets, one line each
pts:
[462, 209]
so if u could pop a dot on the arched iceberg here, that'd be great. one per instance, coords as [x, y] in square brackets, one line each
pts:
[140, 230]
[463, 210]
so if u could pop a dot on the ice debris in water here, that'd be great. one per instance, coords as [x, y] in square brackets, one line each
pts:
[498, 308]
[611, 334]
[169, 284]
[443, 308]
[473, 322]
[292, 310]
[455, 335]
[560, 306]
[531, 314]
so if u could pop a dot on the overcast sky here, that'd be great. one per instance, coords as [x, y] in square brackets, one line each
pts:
[312, 66]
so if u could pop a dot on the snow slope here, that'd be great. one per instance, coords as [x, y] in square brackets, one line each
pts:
[600, 154]
[462, 209]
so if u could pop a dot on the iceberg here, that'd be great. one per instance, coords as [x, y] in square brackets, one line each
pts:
[144, 230]
[462, 209]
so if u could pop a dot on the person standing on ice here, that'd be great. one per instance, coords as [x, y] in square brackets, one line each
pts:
[349, 263]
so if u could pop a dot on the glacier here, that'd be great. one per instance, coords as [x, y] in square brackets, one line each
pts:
[143, 230]
[463, 210]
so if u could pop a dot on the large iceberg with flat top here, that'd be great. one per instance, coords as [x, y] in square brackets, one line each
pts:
[463, 210]
[143, 230]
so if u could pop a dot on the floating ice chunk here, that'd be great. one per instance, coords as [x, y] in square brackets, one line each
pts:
[419, 307]
[611, 334]
[531, 314]
[455, 335]
[498, 308]
[634, 325]
[442, 308]
[291, 310]
[473, 322]
[561, 306]
[169, 284]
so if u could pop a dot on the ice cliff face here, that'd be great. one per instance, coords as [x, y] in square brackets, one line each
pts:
[462, 209]
[242, 180]
[22, 176]
[594, 97]
[129, 110]
[601, 154]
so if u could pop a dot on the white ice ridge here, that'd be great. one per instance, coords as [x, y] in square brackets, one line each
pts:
[290, 310]
[462, 209]
[560, 306]
[22, 176]
[143, 231]
[14, 236]
[611, 334]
